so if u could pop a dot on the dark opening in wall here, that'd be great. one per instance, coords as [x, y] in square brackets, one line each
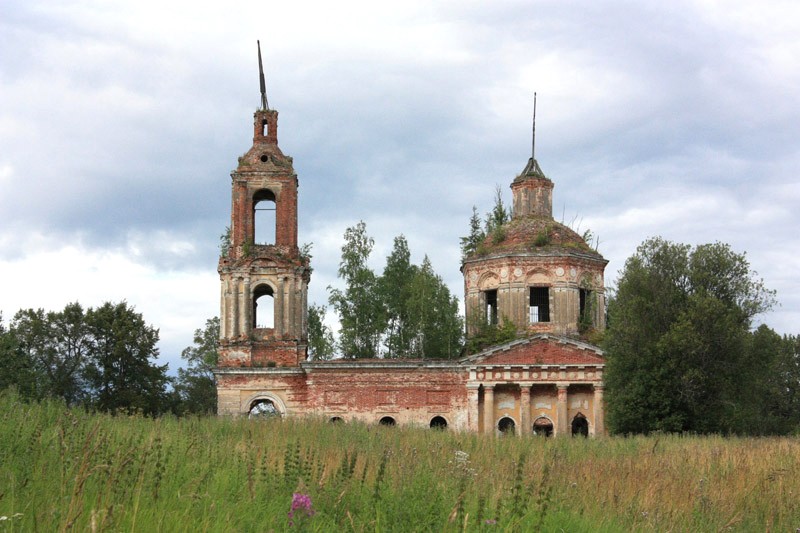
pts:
[539, 310]
[491, 307]
[387, 421]
[506, 426]
[438, 422]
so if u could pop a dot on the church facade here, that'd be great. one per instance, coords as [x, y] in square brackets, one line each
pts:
[537, 274]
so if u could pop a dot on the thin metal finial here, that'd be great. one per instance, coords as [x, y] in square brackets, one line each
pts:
[533, 142]
[264, 104]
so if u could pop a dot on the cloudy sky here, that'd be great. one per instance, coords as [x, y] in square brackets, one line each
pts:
[121, 120]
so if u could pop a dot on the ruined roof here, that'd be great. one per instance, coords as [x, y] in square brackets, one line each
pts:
[535, 235]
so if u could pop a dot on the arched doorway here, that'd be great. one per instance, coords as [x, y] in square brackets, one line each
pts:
[387, 421]
[543, 427]
[336, 420]
[438, 422]
[580, 426]
[263, 409]
[506, 426]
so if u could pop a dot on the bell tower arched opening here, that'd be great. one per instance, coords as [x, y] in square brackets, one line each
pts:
[264, 307]
[264, 217]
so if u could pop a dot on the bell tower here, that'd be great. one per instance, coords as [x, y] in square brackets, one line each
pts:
[263, 275]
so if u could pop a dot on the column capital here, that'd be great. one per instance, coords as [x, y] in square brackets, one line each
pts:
[562, 386]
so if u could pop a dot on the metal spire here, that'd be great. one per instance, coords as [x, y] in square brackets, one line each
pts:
[533, 142]
[264, 104]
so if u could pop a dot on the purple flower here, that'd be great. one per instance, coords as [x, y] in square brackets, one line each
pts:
[301, 503]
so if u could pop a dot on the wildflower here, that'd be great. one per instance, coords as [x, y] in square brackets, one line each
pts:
[490, 522]
[301, 505]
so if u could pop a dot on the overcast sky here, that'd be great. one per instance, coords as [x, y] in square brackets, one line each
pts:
[120, 122]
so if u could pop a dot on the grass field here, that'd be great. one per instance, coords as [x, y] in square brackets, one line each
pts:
[64, 469]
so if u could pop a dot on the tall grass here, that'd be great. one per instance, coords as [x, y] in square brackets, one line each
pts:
[67, 470]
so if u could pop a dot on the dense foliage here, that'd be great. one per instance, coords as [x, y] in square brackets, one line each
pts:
[680, 353]
[408, 311]
[195, 386]
[101, 358]
[68, 470]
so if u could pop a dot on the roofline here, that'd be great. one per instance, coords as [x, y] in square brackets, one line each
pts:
[563, 252]
[527, 340]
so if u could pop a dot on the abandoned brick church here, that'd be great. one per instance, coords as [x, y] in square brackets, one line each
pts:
[542, 277]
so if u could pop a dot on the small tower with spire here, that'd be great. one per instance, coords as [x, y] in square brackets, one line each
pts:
[263, 275]
[536, 273]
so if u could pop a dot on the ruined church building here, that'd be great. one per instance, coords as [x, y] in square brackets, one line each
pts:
[541, 276]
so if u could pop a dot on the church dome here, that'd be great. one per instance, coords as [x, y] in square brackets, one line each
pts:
[536, 235]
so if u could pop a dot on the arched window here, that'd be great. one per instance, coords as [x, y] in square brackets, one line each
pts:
[438, 422]
[263, 307]
[264, 218]
[387, 421]
[580, 426]
[263, 409]
[506, 426]
[336, 420]
[543, 427]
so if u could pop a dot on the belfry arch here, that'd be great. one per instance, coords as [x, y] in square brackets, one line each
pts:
[264, 217]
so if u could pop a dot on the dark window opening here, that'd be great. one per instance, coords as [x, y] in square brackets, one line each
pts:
[438, 422]
[263, 307]
[580, 426]
[539, 310]
[264, 217]
[264, 158]
[506, 426]
[543, 427]
[387, 421]
[336, 420]
[262, 409]
[491, 307]
[585, 308]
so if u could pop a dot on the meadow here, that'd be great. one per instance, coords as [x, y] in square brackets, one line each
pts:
[68, 470]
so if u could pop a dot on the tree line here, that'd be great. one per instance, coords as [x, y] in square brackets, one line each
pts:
[406, 312]
[682, 354]
[104, 359]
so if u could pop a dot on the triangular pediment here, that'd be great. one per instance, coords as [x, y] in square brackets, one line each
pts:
[541, 349]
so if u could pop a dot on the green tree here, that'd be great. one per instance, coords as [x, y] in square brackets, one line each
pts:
[434, 319]
[394, 288]
[195, 384]
[497, 218]
[476, 236]
[55, 343]
[120, 372]
[321, 343]
[362, 316]
[677, 338]
[17, 368]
